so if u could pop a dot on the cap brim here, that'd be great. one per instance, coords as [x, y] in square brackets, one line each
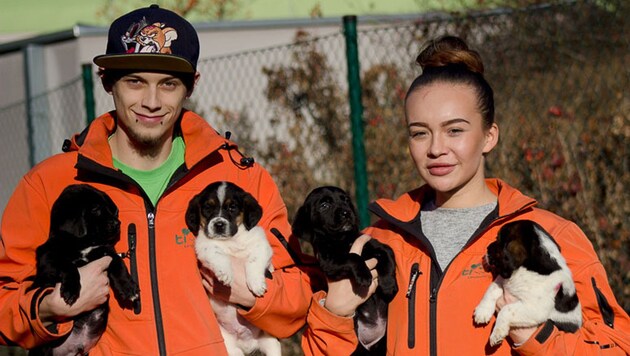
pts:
[142, 61]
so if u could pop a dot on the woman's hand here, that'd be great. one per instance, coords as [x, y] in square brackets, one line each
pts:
[518, 335]
[94, 292]
[340, 299]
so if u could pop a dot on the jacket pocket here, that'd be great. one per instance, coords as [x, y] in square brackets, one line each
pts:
[133, 266]
[604, 307]
[411, 305]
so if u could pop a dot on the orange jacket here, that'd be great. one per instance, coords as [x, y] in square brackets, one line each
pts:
[432, 313]
[174, 316]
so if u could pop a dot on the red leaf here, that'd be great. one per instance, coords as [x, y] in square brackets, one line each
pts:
[555, 111]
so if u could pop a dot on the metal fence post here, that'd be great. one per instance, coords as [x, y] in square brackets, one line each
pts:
[88, 91]
[356, 118]
[37, 105]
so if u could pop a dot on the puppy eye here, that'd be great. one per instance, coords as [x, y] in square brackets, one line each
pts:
[208, 205]
[324, 205]
[96, 211]
[207, 208]
[232, 208]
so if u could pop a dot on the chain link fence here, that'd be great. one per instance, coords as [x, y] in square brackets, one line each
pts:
[55, 115]
[561, 82]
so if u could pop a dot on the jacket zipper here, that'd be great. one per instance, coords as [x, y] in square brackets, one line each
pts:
[154, 285]
[411, 305]
[133, 265]
[433, 318]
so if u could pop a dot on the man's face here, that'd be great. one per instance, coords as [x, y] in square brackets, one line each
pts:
[148, 105]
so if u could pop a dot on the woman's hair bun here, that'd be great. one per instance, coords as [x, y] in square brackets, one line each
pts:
[449, 50]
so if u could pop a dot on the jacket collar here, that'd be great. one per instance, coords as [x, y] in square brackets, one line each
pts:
[200, 139]
[406, 208]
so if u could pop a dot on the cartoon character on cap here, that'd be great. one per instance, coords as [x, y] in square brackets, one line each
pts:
[144, 38]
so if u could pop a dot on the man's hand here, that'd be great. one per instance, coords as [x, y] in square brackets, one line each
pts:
[518, 335]
[238, 293]
[340, 299]
[94, 292]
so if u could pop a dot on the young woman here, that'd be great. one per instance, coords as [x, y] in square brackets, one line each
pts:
[441, 230]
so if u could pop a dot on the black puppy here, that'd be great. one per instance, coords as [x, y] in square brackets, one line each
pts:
[329, 222]
[84, 227]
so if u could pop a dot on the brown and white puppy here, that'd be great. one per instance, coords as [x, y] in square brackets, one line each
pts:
[84, 227]
[329, 222]
[527, 263]
[224, 219]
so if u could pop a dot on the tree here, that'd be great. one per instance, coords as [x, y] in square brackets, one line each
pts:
[200, 10]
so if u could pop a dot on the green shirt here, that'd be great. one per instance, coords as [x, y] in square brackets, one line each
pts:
[154, 181]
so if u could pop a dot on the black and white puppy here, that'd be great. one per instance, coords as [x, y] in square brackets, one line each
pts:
[328, 221]
[84, 227]
[224, 219]
[527, 263]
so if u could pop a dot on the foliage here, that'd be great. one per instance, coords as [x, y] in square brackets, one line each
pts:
[192, 9]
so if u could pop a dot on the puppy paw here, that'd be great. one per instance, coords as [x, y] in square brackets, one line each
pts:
[258, 286]
[388, 287]
[483, 313]
[129, 293]
[224, 276]
[361, 274]
[497, 336]
[70, 292]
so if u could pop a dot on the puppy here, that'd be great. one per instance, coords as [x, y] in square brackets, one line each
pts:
[224, 219]
[84, 226]
[329, 222]
[527, 263]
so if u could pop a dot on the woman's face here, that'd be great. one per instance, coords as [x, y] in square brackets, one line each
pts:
[447, 138]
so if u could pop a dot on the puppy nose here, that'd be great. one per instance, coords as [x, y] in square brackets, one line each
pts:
[219, 226]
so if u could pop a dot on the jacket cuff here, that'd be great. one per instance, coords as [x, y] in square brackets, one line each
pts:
[322, 317]
[535, 344]
[53, 331]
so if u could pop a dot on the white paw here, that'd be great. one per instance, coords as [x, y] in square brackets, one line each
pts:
[483, 313]
[224, 276]
[498, 334]
[258, 286]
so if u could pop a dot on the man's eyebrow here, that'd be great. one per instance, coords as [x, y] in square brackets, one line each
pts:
[132, 75]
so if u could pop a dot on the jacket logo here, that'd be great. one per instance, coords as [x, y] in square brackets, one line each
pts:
[149, 38]
[186, 239]
[474, 271]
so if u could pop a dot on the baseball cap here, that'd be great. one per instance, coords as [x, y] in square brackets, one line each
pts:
[152, 39]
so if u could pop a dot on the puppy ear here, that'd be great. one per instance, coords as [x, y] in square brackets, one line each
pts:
[514, 255]
[252, 211]
[192, 215]
[75, 227]
[301, 224]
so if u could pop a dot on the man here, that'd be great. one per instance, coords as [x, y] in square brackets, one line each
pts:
[151, 157]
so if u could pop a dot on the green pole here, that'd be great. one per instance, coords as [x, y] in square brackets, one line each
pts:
[356, 118]
[88, 89]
